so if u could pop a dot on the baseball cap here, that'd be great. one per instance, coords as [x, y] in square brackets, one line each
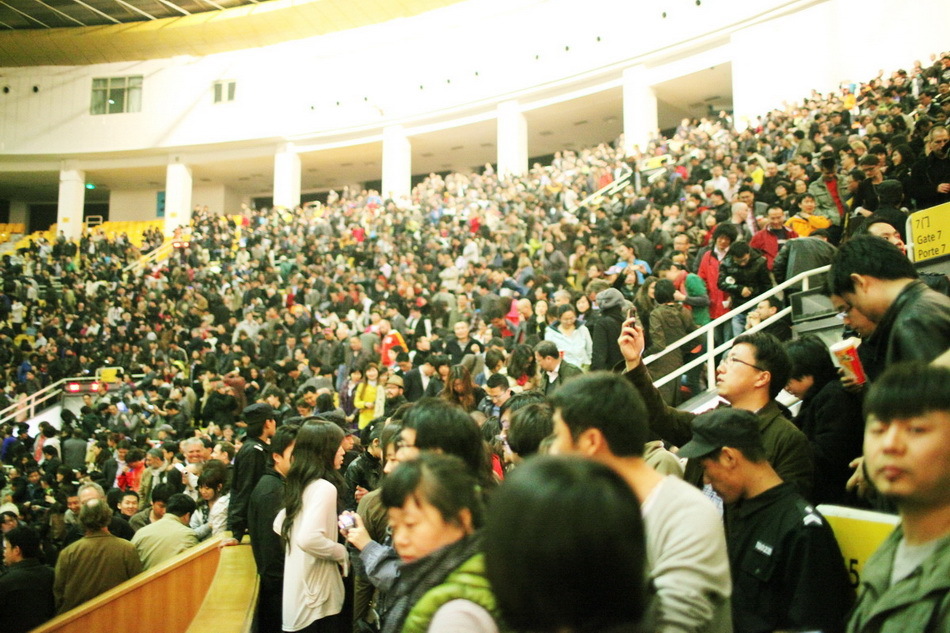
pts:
[730, 427]
[258, 413]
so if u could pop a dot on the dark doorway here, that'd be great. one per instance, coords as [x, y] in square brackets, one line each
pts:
[41, 216]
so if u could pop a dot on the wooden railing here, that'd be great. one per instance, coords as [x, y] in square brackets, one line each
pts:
[231, 600]
[206, 588]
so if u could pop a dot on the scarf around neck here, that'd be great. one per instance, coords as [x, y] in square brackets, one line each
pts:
[418, 577]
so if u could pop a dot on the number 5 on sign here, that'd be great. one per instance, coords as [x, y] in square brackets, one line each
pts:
[859, 533]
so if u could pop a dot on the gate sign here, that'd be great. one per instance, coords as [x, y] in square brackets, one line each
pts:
[859, 533]
[929, 232]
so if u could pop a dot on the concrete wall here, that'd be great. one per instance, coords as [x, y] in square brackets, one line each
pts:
[825, 45]
[132, 205]
[354, 82]
[19, 212]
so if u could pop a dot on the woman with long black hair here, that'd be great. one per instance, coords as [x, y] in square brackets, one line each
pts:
[313, 584]
[461, 389]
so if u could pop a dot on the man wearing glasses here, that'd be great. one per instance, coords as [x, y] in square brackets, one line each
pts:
[748, 378]
[930, 176]
[911, 322]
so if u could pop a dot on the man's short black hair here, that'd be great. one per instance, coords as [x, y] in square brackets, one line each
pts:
[162, 493]
[739, 249]
[609, 403]
[497, 380]
[446, 427]
[180, 504]
[529, 426]
[664, 265]
[493, 357]
[283, 437]
[439, 360]
[808, 356]
[26, 538]
[519, 400]
[909, 390]
[547, 349]
[726, 229]
[770, 356]
[867, 255]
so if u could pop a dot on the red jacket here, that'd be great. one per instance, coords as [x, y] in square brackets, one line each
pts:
[709, 272]
[132, 478]
[766, 242]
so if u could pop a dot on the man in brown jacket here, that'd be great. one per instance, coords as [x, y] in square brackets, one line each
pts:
[95, 563]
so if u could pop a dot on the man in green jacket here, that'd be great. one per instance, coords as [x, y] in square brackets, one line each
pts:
[905, 585]
[749, 378]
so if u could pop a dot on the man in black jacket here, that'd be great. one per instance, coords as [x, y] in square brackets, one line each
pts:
[875, 278]
[265, 502]
[250, 463]
[787, 568]
[605, 330]
[424, 380]
[743, 275]
[26, 590]
[553, 369]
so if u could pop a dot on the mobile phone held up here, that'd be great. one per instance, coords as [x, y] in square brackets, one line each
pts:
[632, 315]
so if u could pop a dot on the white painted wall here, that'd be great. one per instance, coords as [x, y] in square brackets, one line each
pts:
[830, 43]
[233, 201]
[211, 196]
[518, 48]
[133, 205]
[374, 73]
[19, 212]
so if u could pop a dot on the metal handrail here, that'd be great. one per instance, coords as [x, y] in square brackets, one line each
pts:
[152, 257]
[33, 400]
[610, 189]
[709, 330]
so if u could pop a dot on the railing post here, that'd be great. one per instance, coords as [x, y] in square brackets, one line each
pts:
[710, 358]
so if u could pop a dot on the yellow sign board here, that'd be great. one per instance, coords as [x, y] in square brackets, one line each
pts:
[929, 232]
[859, 533]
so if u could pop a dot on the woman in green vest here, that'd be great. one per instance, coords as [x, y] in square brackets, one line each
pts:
[435, 509]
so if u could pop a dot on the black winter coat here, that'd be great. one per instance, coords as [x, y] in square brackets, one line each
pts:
[604, 333]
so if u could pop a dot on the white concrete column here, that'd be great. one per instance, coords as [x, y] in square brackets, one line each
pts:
[639, 109]
[178, 183]
[286, 177]
[72, 198]
[397, 163]
[512, 139]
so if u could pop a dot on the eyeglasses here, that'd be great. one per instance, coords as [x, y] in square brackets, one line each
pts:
[728, 360]
[844, 313]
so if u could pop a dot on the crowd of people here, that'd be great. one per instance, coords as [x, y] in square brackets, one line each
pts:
[349, 382]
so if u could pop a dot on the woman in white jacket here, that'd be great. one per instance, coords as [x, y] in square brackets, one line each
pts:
[314, 559]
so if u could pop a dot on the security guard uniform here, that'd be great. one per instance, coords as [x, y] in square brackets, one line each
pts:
[787, 569]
